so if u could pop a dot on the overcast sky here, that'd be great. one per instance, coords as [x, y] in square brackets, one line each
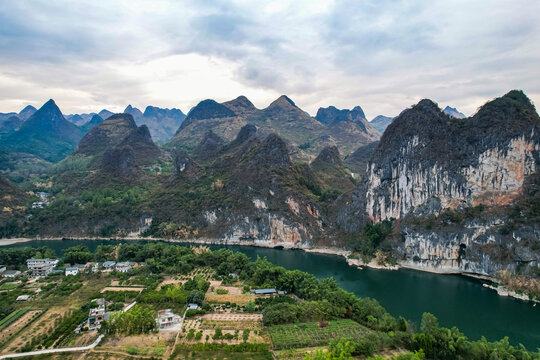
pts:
[382, 55]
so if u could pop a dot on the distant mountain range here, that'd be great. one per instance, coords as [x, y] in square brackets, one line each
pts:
[381, 122]
[306, 136]
[46, 134]
[453, 195]
[162, 123]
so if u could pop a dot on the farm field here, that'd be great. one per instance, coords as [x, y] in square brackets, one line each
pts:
[16, 323]
[8, 286]
[143, 345]
[35, 329]
[8, 320]
[220, 355]
[303, 335]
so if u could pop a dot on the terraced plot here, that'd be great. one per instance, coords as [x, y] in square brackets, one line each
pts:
[303, 335]
[12, 324]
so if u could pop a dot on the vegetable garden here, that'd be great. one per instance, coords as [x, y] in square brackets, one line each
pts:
[312, 334]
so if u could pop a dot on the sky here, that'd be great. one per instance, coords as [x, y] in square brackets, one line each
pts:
[384, 55]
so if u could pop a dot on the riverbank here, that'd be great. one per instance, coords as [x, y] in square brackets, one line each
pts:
[346, 254]
[504, 291]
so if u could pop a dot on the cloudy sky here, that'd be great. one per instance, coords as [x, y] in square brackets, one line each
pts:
[383, 55]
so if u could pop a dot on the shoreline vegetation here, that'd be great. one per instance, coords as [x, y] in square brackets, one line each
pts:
[354, 262]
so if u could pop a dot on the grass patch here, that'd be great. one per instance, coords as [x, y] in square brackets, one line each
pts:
[8, 286]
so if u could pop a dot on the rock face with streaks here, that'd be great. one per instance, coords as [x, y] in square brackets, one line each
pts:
[428, 163]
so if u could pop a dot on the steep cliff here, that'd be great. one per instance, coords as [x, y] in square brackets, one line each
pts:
[427, 161]
[430, 168]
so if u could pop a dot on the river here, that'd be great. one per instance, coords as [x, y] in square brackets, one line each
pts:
[454, 299]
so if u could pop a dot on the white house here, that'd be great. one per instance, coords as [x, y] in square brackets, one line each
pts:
[109, 265]
[72, 271]
[41, 267]
[124, 266]
[23, 298]
[167, 319]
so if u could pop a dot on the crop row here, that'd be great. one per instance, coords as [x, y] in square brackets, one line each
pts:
[8, 320]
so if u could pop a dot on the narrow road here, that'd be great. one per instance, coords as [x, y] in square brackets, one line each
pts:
[179, 331]
[52, 351]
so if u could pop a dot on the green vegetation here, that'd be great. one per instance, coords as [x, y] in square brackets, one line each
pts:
[8, 286]
[372, 238]
[313, 334]
[138, 320]
[66, 327]
[237, 348]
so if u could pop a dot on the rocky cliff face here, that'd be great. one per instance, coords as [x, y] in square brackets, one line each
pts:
[249, 191]
[427, 163]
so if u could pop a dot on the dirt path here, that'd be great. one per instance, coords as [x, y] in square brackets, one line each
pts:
[52, 351]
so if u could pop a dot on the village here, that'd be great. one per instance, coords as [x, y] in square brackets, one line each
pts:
[224, 314]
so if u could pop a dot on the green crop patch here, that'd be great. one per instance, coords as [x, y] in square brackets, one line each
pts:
[312, 334]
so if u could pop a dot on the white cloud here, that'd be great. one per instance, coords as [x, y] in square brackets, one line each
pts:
[384, 55]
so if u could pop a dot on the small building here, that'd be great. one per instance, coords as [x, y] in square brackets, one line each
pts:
[193, 307]
[39, 204]
[23, 297]
[72, 271]
[146, 222]
[96, 315]
[270, 291]
[41, 267]
[167, 319]
[44, 196]
[109, 265]
[124, 266]
[2, 268]
[11, 274]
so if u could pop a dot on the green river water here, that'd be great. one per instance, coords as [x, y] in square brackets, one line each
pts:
[455, 300]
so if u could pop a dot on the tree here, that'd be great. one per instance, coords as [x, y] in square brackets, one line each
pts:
[338, 349]
[195, 297]
[250, 307]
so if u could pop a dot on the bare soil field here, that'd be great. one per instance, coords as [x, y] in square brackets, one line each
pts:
[208, 328]
[146, 344]
[233, 317]
[18, 325]
[113, 288]
[240, 299]
[170, 281]
[39, 327]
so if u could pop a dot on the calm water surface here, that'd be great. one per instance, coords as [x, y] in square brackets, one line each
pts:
[455, 300]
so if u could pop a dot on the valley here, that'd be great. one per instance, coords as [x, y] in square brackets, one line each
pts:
[407, 199]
